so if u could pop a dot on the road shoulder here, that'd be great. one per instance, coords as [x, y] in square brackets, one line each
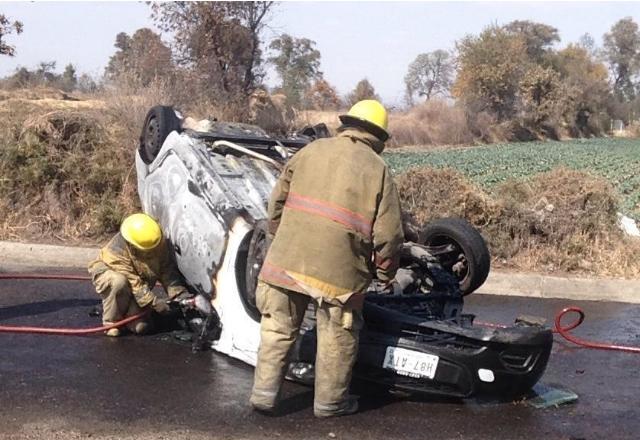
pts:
[23, 256]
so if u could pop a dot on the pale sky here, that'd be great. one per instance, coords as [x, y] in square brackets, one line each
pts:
[376, 40]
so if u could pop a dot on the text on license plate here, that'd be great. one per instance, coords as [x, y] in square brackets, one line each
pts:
[410, 363]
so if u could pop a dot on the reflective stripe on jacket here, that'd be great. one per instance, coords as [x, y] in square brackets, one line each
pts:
[337, 215]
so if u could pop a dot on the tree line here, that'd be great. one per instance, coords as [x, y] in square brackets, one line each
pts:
[513, 73]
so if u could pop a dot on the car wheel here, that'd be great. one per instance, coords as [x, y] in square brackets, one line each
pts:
[463, 251]
[160, 121]
[255, 257]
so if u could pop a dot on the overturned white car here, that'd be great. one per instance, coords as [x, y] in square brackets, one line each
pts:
[209, 185]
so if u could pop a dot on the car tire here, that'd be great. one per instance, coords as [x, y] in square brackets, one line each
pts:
[256, 254]
[470, 250]
[159, 122]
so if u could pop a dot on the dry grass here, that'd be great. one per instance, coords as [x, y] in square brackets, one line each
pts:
[632, 131]
[271, 112]
[36, 94]
[433, 123]
[67, 172]
[52, 104]
[430, 193]
[313, 117]
[430, 123]
[563, 220]
[63, 178]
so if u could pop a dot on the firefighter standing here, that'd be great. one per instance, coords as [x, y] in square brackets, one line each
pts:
[334, 216]
[128, 267]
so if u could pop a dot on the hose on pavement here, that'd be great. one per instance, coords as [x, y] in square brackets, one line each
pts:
[562, 330]
[56, 330]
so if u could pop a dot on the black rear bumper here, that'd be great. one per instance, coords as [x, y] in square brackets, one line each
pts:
[473, 360]
[514, 368]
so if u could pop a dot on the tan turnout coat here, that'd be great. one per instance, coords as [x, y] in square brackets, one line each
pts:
[337, 214]
[142, 269]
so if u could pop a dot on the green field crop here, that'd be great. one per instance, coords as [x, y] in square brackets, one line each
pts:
[618, 160]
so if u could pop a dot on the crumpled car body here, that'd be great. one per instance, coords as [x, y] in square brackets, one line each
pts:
[209, 191]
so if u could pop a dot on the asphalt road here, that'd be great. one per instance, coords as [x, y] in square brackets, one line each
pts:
[154, 387]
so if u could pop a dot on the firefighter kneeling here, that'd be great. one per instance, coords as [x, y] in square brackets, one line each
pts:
[335, 220]
[128, 267]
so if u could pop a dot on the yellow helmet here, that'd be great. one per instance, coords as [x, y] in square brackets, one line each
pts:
[370, 115]
[141, 231]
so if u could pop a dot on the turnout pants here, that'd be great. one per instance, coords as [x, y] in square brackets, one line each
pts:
[117, 300]
[337, 329]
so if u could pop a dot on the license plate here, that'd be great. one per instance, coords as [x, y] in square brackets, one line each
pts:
[410, 363]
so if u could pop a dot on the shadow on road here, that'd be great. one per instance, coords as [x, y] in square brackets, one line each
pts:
[42, 307]
[295, 403]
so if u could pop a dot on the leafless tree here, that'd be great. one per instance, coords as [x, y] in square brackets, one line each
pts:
[429, 74]
[7, 28]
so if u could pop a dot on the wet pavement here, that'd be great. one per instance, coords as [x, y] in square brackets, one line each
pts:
[154, 387]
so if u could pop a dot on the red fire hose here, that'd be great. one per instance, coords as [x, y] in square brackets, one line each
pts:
[563, 331]
[61, 331]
